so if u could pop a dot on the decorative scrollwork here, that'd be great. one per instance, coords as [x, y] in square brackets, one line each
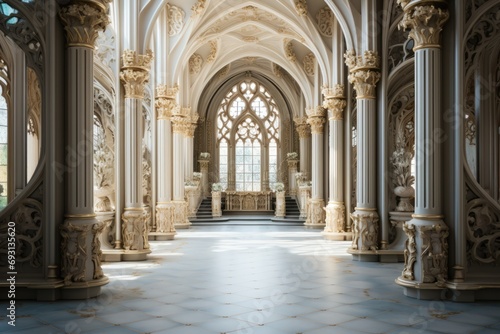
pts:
[325, 20]
[175, 19]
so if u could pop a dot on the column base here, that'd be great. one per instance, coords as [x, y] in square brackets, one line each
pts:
[315, 214]
[365, 235]
[158, 236]
[335, 222]
[181, 220]
[135, 234]
[424, 291]
[165, 216]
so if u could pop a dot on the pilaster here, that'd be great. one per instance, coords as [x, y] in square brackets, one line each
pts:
[134, 75]
[80, 247]
[426, 254]
[364, 74]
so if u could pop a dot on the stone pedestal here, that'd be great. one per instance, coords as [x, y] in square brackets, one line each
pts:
[165, 230]
[315, 213]
[335, 223]
[181, 220]
[216, 204]
[280, 204]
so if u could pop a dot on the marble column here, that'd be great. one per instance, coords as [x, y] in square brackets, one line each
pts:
[304, 131]
[165, 105]
[426, 270]
[364, 75]
[80, 248]
[316, 213]
[134, 75]
[204, 163]
[180, 124]
[335, 103]
[292, 182]
[189, 140]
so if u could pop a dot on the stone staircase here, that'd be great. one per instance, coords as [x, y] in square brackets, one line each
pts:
[205, 209]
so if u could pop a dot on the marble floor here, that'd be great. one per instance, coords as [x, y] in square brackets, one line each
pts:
[253, 280]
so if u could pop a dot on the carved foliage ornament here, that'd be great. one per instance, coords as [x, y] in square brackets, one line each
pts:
[165, 103]
[135, 72]
[195, 63]
[309, 62]
[213, 52]
[426, 23]
[335, 218]
[83, 21]
[325, 21]
[301, 7]
[134, 230]
[175, 19]
[165, 214]
[434, 254]
[365, 228]
[198, 7]
[289, 52]
[316, 119]
[302, 127]
[364, 72]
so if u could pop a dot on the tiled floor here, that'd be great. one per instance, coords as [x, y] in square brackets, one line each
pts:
[253, 280]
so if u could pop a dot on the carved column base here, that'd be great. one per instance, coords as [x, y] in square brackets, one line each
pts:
[81, 256]
[108, 237]
[425, 271]
[181, 220]
[135, 234]
[165, 229]
[315, 214]
[365, 235]
[335, 222]
[280, 204]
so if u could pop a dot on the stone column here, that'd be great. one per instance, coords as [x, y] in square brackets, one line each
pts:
[280, 204]
[364, 75]
[204, 176]
[165, 105]
[180, 124]
[335, 103]
[292, 182]
[189, 140]
[304, 132]
[316, 213]
[426, 271]
[134, 75]
[80, 246]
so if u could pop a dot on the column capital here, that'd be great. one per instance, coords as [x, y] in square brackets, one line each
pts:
[83, 20]
[316, 119]
[364, 72]
[165, 103]
[302, 127]
[335, 102]
[134, 73]
[425, 19]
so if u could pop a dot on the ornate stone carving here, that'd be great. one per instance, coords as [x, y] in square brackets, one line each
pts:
[134, 229]
[334, 102]
[165, 102]
[303, 129]
[83, 21]
[365, 226]
[223, 72]
[301, 7]
[74, 252]
[175, 19]
[316, 119]
[165, 214]
[146, 175]
[198, 8]
[34, 99]
[277, 70]
[289, 51]
[364, 73]
[181, 214]
[426, 23]
[96, 249]
[410, 251]
[216, 204]
[315, 212]
[325, 19]
[335, 218]
[135, 72]
[105, 48]
[195, 63]
[309, 63]
[434, 254]
[104, 192]
[213, 51]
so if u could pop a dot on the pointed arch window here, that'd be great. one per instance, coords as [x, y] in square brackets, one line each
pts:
[248, 138]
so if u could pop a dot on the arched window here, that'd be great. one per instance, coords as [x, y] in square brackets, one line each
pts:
[248, 138]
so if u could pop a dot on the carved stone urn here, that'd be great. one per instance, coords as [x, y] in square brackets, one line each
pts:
[405, 194]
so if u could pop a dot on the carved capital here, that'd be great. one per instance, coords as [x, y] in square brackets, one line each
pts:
[165, 103]
[135, 72]
[180, 124]
[364, 73]
[303, 129]
[334, 102]
[204, 164]
[425, 23]
[316, 119]
[83, 21]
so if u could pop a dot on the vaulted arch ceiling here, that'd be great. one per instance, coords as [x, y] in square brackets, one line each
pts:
[225, 37]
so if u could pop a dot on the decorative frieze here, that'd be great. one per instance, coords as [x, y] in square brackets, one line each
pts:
[135, 72]
[83, 21]
[316, 119]
[425, 23]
